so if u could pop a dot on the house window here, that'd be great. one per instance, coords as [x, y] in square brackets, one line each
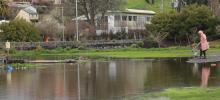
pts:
[134, 18]
[117, 17]
[123, 29]
[106, 19]
[124, 18]
[148, 18]
[130, 18]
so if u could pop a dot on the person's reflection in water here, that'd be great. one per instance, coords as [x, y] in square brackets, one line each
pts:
[205, 76]
[195, 69]
[8, 78]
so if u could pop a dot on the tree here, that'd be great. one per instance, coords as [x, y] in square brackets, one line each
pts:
[19, 31]
[182, 26]
[90, 8]
[4, 9]
[196, 15]
[159, 37]
[50, 27]
[86, 30]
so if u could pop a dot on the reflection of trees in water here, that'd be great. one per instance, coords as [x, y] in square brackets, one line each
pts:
[207, 74]
[101, 80]
[170, 72]
[132, 75]
[51, 82]
[112, 79]
[38, 84]
[157, 75]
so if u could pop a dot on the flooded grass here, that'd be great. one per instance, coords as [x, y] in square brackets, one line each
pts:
[26, 65]
[194, 93]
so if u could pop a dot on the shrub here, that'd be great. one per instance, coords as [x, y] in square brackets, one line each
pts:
[39, 48]
[19, 31]
[149, 43]
[68, 48]
[134, 46]
[140, 44]
[81, 48]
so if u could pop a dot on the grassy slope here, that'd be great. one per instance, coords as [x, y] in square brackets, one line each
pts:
[141, 4]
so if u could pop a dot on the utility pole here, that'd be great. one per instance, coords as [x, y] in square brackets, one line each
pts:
[162, 6]
[62, 18]
[77, 26]
[63, 25]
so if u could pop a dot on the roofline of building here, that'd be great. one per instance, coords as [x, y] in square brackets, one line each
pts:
[134, 11]
[127, 11]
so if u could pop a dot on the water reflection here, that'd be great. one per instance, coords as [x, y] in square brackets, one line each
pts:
[203, 70]
[112, 70]
[103, 80]
[205, 76]
[78, 80]
[8, 75]
[195, 69]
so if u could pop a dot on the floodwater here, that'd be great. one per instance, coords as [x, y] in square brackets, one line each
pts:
[104, 80]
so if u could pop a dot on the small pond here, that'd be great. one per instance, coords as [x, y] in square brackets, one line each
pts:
[104, 80]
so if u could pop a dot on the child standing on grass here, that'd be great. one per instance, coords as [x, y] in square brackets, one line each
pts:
[204, 45]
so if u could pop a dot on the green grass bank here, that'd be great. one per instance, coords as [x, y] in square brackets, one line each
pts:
[136, 53]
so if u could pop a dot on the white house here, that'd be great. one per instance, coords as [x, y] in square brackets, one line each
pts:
[118, 21]
[131, 19]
